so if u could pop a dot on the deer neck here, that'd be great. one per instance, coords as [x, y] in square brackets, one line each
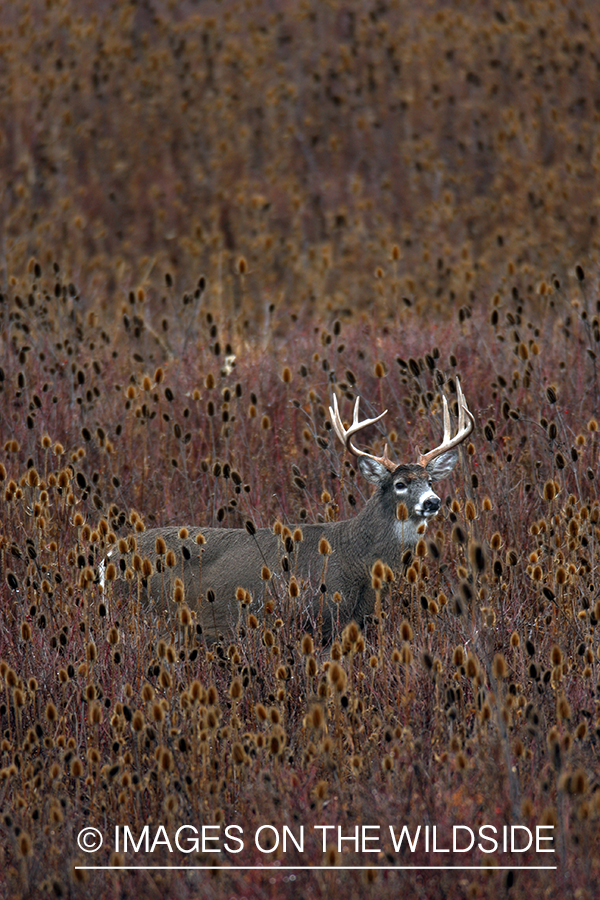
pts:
[376, 534]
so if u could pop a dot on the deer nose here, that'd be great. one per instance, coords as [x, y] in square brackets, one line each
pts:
[431, 505]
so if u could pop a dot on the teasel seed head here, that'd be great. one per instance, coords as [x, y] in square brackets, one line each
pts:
[324, 547]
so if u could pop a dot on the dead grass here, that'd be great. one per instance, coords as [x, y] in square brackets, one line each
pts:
[207, 221]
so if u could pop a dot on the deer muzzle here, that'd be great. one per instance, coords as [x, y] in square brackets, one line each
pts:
[429, 505]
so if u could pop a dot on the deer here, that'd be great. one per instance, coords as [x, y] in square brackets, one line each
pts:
[221, 570]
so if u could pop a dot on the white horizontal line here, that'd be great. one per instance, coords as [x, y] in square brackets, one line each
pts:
[331, 868]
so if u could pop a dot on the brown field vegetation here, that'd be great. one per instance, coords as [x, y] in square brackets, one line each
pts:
[212, 215]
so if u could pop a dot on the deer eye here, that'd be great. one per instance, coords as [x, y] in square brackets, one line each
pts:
[400, 486]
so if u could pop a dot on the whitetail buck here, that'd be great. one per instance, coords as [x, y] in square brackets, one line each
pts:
[260, 562]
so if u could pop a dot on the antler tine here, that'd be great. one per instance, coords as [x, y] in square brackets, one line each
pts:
[346, 434]
[466, 423]
[462, 404]
[447, 426]
[336, 422]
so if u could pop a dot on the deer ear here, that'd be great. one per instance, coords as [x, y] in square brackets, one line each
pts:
[441, 466]
[372, 469]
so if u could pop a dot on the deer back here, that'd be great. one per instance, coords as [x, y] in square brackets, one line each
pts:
[230, 559]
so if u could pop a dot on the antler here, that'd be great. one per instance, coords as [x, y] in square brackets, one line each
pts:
[345, 435]
[464, 428]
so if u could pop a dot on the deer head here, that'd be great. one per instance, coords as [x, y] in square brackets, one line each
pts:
[408, 486]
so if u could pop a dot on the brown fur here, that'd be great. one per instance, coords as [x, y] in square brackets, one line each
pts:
[233, 558]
